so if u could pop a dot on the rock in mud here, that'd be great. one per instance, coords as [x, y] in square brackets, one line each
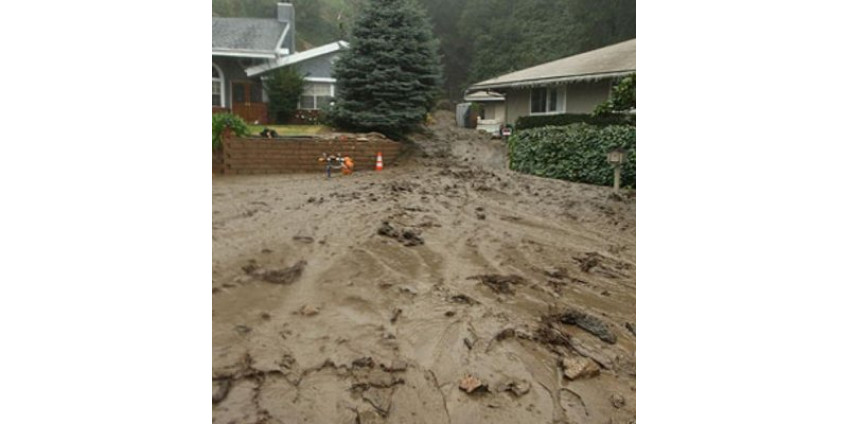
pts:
[284, 276]
[500, 283]
[220, 389]
[588, 262]
[579, 367]
[617, 400]
[303, 239]
[379, 398]
[589, 323]
[309, 310]
[518, 388]
[470, 384]
[407, 236]
[630, 327]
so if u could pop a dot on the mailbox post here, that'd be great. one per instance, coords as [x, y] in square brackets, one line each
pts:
[616, 158]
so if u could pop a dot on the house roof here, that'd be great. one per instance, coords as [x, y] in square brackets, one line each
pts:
[247, 36]
[610, 61]
[485, 96]
[297, 58]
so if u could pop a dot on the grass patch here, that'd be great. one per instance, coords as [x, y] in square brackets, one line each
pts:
[288, 130]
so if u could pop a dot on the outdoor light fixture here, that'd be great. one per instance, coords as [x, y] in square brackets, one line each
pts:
[616, 158]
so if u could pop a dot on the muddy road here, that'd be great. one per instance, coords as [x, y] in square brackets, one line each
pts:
[444, 290]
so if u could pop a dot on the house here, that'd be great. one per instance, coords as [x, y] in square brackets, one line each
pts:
[245, 49]
[575, 84]
[491, 110]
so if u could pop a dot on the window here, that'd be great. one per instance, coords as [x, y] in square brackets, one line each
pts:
[217, 86]
[316, 95]
[545, 100]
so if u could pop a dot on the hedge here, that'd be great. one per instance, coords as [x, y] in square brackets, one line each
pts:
[576, 152]
[536, 121]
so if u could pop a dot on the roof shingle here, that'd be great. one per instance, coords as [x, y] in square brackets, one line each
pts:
[248, 34]
[606, 61]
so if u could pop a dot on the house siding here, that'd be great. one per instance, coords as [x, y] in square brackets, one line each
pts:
[580, 97]
[317, 67]
[517, 104]
[233, 71]
[583, 97]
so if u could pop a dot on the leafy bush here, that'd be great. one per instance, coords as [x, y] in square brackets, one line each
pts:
[223, 120]
[526, 122]
[623, 98]
[576, 152]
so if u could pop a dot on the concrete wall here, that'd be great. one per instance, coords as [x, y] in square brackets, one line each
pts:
[583, 97]
[285, 156]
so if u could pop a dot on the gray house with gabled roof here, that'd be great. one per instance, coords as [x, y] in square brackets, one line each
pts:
[244, 49]
[574, 84]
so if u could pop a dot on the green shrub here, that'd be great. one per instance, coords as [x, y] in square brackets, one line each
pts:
[223, 120]
[284, 87]
[623, 98]
[576, 152]
[536, 121]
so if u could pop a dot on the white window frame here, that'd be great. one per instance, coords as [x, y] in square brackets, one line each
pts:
[221, 81]
[330, 81]
[559, 108]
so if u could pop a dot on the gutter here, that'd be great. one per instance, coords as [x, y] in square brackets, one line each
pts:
[551, 80]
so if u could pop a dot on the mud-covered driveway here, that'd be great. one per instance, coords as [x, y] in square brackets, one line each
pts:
[371, 298]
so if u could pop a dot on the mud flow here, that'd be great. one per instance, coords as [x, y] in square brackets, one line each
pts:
[446, 289]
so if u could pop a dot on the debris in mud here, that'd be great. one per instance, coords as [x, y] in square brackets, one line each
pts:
[461, 298]
[557, 272]
[605, 293]
[588, 262]
[243, 329]
[481, 216]
[215, 290]
[617, 400]
[303, 239]
[518, 388]
[500, 283]
[395, 314]
[365, 362]
[407, 236]
[220, 389]
[267, 251]
[471, 384]
[309, 310]
[266, 316]
[450, 313]
[379, 398]
[468, 343]
[284, 276]
[251, 267]
[396, 366]
[505, 334]
[589, 323]
[548, 334]
[630, 327]
[579, 367]
[368, 417]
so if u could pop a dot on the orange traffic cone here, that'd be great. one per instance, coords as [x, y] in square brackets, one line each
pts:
[379, 161]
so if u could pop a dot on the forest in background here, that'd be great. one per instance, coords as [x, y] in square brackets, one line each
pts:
[479, 39]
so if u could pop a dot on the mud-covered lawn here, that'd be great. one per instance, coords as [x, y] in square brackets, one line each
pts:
[375, 297]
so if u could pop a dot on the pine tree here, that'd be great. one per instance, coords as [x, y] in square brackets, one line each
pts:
[389, 78]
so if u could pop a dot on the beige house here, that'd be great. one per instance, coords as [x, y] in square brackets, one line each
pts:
[575, 84]
[492, 112]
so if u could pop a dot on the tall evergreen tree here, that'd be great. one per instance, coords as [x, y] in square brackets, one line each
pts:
[390, 76]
